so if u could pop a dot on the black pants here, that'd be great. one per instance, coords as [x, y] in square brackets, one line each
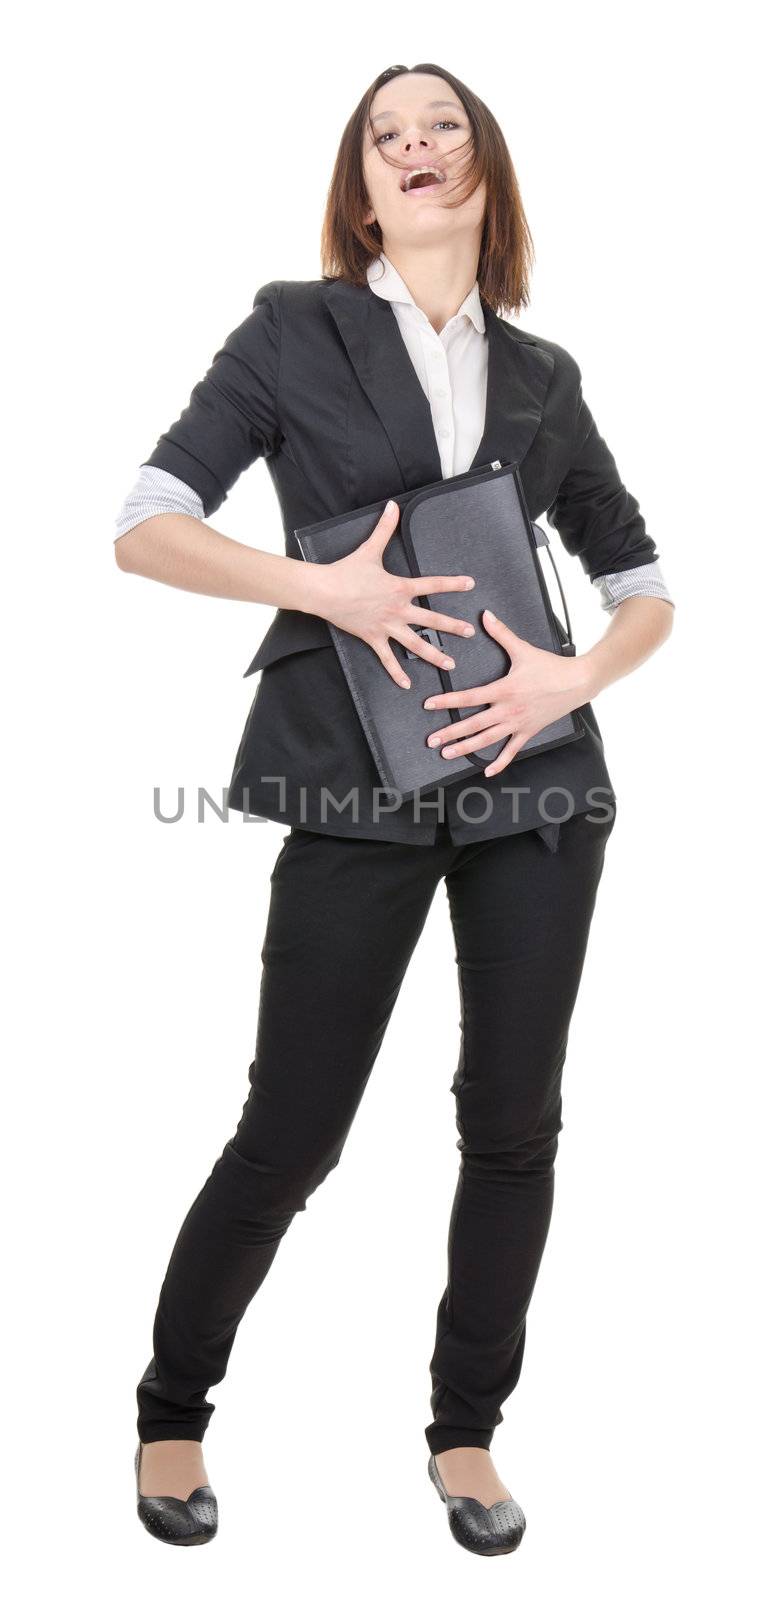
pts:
[344, 918]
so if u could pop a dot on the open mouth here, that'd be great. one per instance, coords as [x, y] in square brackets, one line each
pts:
[422, 178]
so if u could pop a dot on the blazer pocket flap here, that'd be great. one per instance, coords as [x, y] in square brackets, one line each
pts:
[290, 632]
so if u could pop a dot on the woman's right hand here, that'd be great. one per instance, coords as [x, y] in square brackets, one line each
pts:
[358, 594]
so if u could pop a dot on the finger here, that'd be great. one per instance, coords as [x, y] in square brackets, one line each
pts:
[437, 619]
[383, 531]
[511, 641]
[479, 741]
[482, 694]
[461, 729]
[438, 585]
[503, 760]
[392, 665]
[420, 647]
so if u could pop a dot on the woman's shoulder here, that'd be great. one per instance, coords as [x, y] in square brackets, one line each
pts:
[563, 359]
[295, 292]
[296, 304]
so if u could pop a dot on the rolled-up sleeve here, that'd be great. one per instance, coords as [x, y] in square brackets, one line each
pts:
[614, 587]
[154, 493]
[599, 520]
[232, 416]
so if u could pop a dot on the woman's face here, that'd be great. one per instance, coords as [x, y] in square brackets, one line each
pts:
[418, 121]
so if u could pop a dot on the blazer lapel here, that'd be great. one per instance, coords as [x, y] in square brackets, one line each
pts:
[519, 374]
[519, 377]
[384, 369]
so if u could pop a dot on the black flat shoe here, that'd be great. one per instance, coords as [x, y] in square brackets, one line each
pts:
[493, 1531]
[174, 1521]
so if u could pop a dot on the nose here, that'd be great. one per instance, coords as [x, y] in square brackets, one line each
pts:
[412, 143]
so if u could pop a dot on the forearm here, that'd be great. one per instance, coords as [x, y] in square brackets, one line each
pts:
[186, 553]
[638, 626]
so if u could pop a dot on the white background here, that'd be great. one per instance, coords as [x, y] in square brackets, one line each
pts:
[161, 163]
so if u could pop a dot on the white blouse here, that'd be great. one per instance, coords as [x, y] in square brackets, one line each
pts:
[452, 368]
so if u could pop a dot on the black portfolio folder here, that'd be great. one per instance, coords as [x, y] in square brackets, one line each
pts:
[475, 522]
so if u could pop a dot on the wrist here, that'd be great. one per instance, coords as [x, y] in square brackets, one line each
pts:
[590, 678]
[308, 587]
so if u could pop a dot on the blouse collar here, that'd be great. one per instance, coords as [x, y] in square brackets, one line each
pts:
[390, 286]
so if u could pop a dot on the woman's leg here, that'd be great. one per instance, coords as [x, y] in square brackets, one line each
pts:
[521, 918]
[344, 917]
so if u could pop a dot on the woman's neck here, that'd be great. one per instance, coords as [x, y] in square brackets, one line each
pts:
[439, 278]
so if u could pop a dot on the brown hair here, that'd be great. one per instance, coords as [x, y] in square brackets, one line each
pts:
[348, 244]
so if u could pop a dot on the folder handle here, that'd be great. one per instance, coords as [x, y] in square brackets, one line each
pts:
[541, 537]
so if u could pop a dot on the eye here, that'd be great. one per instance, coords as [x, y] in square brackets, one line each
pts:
[443, 122]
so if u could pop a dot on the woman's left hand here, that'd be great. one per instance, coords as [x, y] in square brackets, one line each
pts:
[539, 688]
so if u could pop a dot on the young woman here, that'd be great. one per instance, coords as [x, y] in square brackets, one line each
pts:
[393, 370]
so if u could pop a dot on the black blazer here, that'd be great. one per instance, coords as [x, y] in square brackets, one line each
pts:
[318, 381]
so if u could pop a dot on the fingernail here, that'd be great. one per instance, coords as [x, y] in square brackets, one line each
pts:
[390, 504]
[433, 742]
[487, 613]
[448, 663]
[405, 683]
[470, 583]
[429, 705]
[468, 633]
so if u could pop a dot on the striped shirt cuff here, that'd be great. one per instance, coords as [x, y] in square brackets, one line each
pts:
[154, 492]
[614, 587]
